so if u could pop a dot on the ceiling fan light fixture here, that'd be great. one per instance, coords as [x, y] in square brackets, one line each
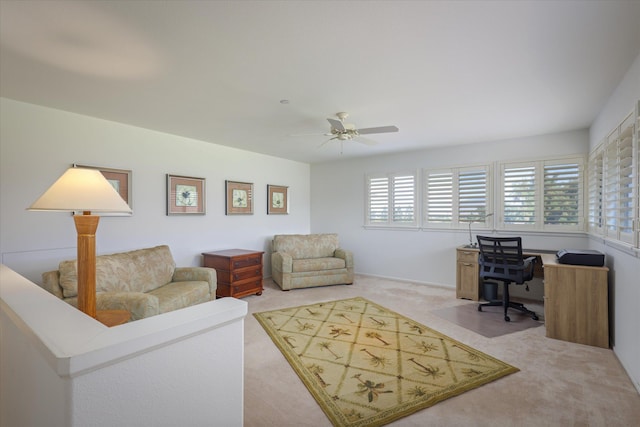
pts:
[342, 115]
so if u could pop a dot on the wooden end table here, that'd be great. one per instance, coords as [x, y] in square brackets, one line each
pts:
[239, 271]
[113, 317]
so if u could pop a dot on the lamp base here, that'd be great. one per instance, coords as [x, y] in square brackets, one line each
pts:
[86, 226]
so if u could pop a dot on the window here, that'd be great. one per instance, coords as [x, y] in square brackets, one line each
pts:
[595, 191]
[392, 200]
[519, 201]
[543, 195]
[614, 203]
[618, 184]
[562, 195]
[455, 197]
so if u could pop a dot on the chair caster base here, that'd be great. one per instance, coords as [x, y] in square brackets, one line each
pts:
[512, 305]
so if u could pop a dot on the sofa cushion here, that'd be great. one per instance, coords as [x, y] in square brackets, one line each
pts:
[317, 264]
[141, 270]
[306, 245]
[181, 294]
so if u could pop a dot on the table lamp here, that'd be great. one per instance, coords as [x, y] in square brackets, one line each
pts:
[86, 190]
[483, 217]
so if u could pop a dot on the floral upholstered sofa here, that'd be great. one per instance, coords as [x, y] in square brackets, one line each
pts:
[144, 282]
[307, 260]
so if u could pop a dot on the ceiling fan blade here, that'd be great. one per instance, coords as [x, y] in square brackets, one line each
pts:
[328, 140]
[336, 124]
[365, 141]
[381, 129]
[309, 134]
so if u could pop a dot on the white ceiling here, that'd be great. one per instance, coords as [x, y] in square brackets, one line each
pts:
[443, 72]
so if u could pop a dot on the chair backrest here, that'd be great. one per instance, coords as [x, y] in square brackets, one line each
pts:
[501, 259]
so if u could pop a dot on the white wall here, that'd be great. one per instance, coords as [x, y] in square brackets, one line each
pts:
[38, 144]
[624, 262]
[338, 203]
[60, 367]
[428, 256]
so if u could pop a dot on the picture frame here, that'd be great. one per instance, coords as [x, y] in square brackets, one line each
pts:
[121, 180]
[277, 200]
[239, 198]
[185, 195]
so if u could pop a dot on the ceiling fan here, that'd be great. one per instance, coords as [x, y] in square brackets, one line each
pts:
[346, 132]
[342, 131]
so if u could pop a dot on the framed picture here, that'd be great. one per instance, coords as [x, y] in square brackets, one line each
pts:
[277, 200]
[121, 180]
[239, 200]
[185, 195]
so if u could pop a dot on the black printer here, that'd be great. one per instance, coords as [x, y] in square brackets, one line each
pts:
[580, 257]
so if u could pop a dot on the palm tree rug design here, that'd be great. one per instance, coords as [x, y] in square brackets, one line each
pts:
[367, 366]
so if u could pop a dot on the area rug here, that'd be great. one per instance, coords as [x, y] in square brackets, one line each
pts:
[367, 365]
[489, 322]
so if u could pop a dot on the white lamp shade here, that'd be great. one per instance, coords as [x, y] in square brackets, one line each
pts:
[80, 189]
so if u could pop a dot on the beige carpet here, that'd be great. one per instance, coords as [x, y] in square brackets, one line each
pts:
[490, 321]
[367, 365]
[559, 383]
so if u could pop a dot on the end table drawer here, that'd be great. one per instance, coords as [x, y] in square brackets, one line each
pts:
[247, 262]
[239, 290]
[246, 287]
[239, 275]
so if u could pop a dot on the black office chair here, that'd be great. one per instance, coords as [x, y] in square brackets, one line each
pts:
[501, 259]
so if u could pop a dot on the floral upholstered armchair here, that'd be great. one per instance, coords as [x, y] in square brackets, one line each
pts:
[307, 260]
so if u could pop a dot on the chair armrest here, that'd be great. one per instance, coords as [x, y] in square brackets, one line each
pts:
[282, 261]
[202, 274]
[51, 283]
[346, 255]
[529, 265]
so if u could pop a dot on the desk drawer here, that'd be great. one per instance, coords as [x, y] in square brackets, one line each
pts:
[467, 256]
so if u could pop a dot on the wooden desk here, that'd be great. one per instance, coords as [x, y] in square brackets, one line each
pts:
[576, 297]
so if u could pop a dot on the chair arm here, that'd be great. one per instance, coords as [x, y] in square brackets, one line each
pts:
[202, 274]
[346, 255]
[282, 261]
[529, 265]
[51, 283]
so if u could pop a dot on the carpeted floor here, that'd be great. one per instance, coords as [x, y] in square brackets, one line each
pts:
[367, 365]
[559, 383]
[490, 321]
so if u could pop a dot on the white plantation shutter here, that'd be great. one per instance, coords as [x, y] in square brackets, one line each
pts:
[562, 191]
[404, 199]
[519, 195]
[438, 197]
[636, 172]
[627, 187]
[378, 196]
[456, 196]
[473, 195]
[543, 195]
[595, 191]
[620, 183]
[392, 200]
